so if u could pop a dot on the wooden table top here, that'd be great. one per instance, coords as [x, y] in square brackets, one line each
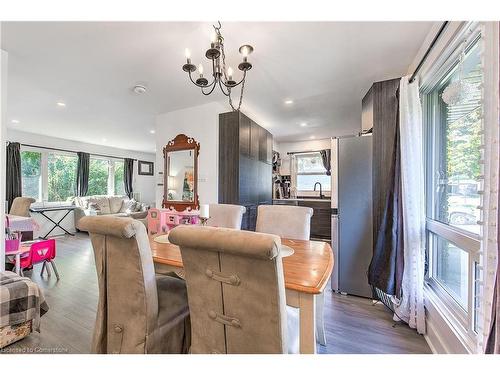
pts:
[307, 270]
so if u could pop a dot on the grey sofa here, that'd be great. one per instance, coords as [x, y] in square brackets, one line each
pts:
[109, 205]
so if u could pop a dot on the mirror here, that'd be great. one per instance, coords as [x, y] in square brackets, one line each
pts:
[180, 181]
[181, 173]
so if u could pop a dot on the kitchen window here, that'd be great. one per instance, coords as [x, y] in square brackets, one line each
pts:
[453, 187]
[309, 169]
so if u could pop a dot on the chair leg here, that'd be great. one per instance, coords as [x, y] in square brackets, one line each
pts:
[53, 263]
[320, 323]
[43, 267]
[47, 268]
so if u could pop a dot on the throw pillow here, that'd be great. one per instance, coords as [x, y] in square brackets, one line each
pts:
[128, 206]
[94, 207]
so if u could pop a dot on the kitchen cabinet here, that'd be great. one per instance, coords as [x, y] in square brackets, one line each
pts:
[245, 164]
[321, 221]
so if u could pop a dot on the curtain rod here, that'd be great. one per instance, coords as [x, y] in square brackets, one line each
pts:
[426, 54]
[63, 150]
[304, 152]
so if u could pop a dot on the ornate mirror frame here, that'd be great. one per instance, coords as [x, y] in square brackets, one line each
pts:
[180, 143]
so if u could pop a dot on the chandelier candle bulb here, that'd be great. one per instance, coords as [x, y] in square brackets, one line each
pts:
[213, 39]
[230, 73]
[188, 55]
[200, 70]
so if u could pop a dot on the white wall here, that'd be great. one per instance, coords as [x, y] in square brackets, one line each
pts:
[145, 185]
[201, 123]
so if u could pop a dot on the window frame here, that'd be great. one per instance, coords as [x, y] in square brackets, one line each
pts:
[43, 176]
[295, 174]
[46, 187]
[45, 167]
[462, 319]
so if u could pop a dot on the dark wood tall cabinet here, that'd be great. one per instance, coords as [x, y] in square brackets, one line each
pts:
[245, 164]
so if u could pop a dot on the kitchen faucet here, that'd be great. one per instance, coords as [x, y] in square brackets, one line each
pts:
[321, 196]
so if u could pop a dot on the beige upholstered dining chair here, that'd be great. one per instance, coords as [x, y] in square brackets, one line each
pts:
[21, 206]
[236, 291]
[226, 215]
[295, 223]
[285, 221]
[138, 312]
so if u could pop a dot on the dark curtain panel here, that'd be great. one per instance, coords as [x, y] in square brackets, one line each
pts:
[326, 157]
[13, 187]
[387, 265]
[128, 173]
[82, 174]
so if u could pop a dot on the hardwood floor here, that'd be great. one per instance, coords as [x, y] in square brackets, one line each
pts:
[353, 325]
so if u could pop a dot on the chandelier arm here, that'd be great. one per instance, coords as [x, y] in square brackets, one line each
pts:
[237, 84]
[222, 88]
[191, 78]
[213, 84]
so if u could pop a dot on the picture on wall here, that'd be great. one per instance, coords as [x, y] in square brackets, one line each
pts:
[146, 168]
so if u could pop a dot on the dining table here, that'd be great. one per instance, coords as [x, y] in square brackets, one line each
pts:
[306, 273]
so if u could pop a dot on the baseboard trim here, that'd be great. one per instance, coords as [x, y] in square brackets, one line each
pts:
[431, 344]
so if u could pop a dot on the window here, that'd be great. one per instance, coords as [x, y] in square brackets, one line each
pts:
[118, 183]
[98, 176]
[453, 187]
[31, 174]
[61, 176]
[451, 269]
[309, 170]
[50, 176]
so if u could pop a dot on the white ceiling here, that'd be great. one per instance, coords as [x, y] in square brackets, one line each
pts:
[325, 67]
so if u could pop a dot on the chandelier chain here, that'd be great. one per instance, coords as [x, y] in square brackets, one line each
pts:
[223, 55]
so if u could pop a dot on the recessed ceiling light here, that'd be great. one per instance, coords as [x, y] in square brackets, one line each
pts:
[15, 121]
[152, 131]
[312, 137]
[104, 140]
[139, 89]
[61, 104]
[288, 101]
[303, 124]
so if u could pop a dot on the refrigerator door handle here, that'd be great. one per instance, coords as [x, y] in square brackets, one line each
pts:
[335, 247]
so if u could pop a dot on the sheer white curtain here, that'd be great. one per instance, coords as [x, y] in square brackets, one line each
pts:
[411, 306]
[490, 141]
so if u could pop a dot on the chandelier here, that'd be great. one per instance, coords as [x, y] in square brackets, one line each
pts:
[222, 76]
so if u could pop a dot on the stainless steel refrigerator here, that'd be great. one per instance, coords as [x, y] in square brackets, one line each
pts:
[352, 238]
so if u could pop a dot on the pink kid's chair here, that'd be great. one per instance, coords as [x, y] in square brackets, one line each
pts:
[42, 251]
